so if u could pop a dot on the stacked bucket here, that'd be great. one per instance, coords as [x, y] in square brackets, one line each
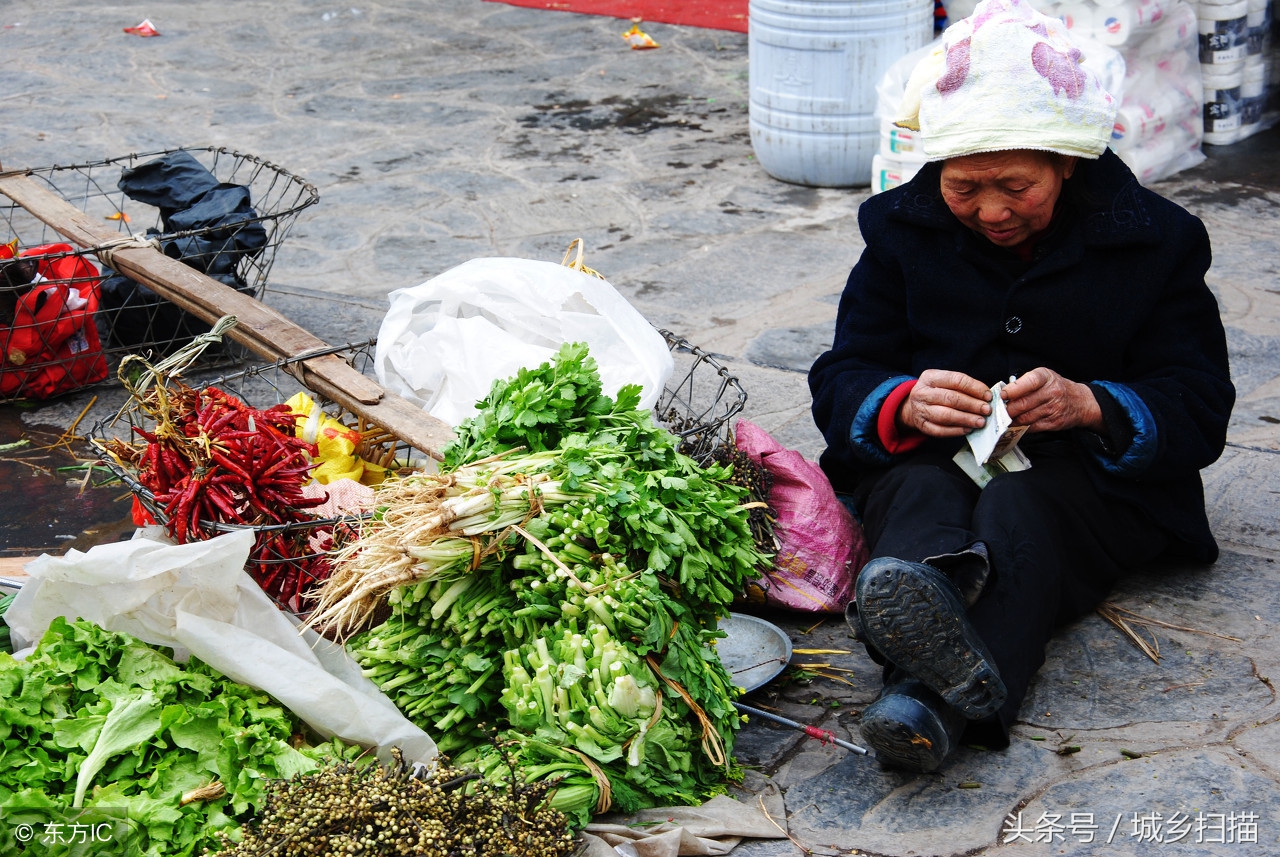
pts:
[813, 71]
[899, 158]
[1234, 56]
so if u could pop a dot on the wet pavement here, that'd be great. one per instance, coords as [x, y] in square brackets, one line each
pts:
[51, 503]
[439, 132]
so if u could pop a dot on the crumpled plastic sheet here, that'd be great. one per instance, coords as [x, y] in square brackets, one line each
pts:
[716, 827]
[196, 598]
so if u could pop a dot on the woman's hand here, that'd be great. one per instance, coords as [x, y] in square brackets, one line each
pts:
[1045, 401]
[945, 404]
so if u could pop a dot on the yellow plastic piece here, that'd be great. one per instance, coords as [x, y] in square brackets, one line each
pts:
[337, 445]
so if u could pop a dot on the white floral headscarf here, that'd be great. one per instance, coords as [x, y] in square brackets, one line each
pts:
[1007, 77]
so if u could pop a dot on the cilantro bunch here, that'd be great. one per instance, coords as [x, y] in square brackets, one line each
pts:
[540, 406]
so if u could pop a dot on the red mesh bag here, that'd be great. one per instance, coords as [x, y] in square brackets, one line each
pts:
[48, 340]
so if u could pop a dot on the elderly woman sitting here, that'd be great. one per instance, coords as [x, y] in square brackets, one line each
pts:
[1023, 250]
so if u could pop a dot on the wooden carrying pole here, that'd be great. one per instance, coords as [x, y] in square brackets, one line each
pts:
[261, 329]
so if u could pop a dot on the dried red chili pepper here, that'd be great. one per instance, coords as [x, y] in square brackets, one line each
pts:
[212, 459]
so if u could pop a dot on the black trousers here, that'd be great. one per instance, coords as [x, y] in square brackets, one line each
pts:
[1055, 546]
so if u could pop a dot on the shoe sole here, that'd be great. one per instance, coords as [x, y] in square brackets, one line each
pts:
[915, 623]
[900, 746]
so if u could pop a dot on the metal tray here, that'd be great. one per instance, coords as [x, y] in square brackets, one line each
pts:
[753, 651]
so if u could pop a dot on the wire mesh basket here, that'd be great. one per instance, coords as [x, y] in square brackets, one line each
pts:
[300, 505]
[700, 400]
[697, 405]
[64, 315]
[289, 558]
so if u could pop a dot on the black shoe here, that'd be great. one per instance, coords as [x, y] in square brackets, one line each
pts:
[910, 727]
[968, 570]
[912, 614]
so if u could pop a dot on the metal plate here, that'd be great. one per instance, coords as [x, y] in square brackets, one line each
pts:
[753, 651]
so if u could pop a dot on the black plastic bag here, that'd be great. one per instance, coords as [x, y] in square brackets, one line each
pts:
[221, 230]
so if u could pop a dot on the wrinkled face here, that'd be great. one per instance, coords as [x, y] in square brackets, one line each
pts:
[1005, 196]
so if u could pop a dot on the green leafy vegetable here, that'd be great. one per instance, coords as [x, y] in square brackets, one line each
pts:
[101, 720]
[129, 725]
[539, 406]
[582, 619]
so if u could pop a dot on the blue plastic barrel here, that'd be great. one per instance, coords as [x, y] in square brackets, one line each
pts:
[814, 66]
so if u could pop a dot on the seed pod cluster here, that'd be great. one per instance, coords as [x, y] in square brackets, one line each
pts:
[752, 475]
[346, 809]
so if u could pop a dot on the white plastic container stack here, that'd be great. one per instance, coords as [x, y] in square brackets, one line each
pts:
[1270, 38]
[1158, 128]
[1224, 45]
[1253, 97]
[1257, 67]
[887, 173]
[899, 159]
[813, 68]
[901, 152]
[1222, 103]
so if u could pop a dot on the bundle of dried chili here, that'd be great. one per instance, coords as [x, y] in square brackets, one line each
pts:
[211, 459]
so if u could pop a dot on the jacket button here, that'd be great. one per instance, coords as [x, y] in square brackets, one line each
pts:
[1012, 324]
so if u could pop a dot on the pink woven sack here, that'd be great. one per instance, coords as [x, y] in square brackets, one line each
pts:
[821, 547]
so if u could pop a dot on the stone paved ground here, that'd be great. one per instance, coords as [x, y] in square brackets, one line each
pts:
[442, 131]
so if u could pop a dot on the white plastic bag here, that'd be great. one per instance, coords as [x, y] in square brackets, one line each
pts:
[196, 598]
[443, 343]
